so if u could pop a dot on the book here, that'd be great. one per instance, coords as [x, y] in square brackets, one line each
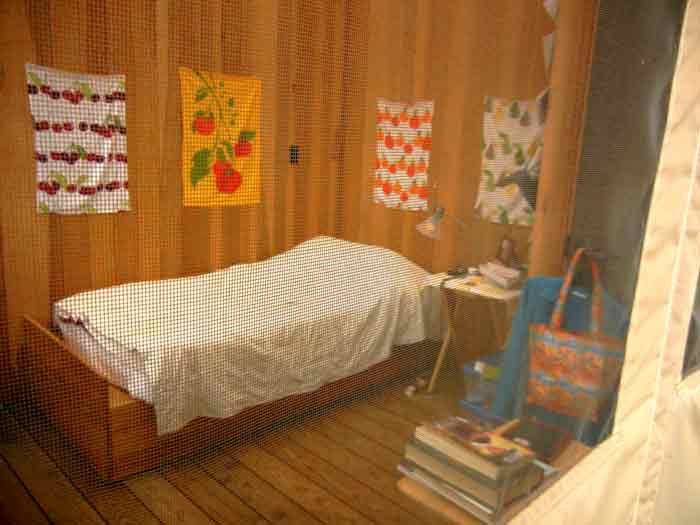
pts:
[416, 449]
[480, 286]
[471, 482]
[486, 452]
[500, 275]
[434, 490]
[437, 503]
[443, 489]
[547, 441]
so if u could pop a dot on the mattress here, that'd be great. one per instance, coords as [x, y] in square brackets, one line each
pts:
[215, 344]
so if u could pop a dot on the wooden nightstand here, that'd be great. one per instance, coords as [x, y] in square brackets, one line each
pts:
[500, 306]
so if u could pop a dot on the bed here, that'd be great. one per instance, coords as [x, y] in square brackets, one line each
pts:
[256, 343]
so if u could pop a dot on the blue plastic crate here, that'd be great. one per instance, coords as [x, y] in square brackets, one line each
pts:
[481, 380]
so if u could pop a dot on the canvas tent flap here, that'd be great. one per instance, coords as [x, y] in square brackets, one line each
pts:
[680, 476]
[644, 472]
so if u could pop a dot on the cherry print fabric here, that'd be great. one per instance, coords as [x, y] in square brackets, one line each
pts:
[80, 141]
[402, 162]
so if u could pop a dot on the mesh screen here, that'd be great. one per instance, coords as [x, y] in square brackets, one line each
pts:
[216, 305]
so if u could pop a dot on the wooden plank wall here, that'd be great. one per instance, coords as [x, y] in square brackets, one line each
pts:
[24, 237]
[301, 62]
[322, 63]
[560, 161]
[454, 53]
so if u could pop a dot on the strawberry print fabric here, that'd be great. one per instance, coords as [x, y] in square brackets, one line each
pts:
[510, 159]
[80, 141]
[221, 148]
[404, 142]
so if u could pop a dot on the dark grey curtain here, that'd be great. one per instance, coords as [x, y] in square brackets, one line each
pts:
[634, 62]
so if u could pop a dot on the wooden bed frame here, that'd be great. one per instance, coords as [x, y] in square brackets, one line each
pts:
[117, 433]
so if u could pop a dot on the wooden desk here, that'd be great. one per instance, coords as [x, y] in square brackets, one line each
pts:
[501, 306]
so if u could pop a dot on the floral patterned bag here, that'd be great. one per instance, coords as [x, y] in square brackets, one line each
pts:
[574, 373]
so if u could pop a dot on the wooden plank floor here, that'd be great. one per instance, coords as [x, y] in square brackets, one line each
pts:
[338, 468]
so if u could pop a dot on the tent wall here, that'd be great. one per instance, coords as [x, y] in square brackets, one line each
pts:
[625, 477]
[678, 496]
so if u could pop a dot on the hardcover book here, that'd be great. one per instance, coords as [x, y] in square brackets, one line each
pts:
[547, 441]
[471, 482]
[460, 499]
[486, 452]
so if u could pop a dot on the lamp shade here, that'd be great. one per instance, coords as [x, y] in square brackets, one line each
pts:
[430, 227]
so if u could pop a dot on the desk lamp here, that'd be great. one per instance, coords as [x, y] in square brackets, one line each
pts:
[430, 228]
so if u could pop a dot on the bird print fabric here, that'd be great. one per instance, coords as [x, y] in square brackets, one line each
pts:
[80, 130]
[510, 159]
[402, 161]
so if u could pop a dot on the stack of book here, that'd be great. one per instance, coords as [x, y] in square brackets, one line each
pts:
[500, 275]
[480, 471]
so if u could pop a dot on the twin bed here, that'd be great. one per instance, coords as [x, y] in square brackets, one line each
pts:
[149, 371]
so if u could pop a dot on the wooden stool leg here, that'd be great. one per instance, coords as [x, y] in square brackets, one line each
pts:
[440, 359]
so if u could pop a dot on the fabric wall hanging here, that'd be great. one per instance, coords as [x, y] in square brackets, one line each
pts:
[510, 160]
[551, 7]
[221, 142]
[80, 141]
[404, 142]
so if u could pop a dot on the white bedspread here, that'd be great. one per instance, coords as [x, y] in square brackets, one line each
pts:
[215, 344]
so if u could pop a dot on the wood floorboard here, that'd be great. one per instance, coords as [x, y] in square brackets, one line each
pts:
[53, 492]
[316, 500]
[219, 503]
[417, 409]
[371, 429]
[439, 405]
[16, 504]
[456, 515]
[403, 408]
[165, 500]
[351, 491]
[115, 503]
[270, 503]
[359, 444]
[381, 481]
[397, 424]
[340, 468]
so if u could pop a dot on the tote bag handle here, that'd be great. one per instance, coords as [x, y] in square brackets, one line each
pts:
[557, 319]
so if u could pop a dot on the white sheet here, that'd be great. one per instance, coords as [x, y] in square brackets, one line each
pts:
[215, 344]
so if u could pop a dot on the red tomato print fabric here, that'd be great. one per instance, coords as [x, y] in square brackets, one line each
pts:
[402, 161]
